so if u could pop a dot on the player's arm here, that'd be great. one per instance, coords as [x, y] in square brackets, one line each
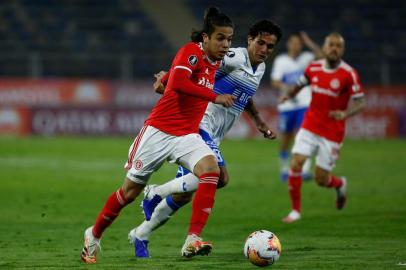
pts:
[355, 106]
[279, 85]
[160, 82]
[255, 116]
[309, 43]
[357, 101]
[290, 92]
[180, 78]
[277, 75]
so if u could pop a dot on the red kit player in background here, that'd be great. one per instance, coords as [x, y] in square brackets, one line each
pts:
[336, 95]
[171, 133]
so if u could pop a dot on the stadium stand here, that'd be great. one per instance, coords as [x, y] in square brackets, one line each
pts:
[116, 39]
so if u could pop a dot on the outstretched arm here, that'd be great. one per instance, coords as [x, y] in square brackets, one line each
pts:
[290, 92]
[262, 127]
[355, 106]
[318, 53]
[180, 80]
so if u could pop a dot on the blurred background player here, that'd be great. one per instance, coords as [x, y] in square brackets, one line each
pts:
[336, 95]
[170, 133]
[238, 77]
[286, 70]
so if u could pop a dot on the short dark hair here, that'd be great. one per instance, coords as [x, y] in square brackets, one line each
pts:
[265, 26]
[212, 17]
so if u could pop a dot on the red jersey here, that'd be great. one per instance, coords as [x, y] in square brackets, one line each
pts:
[331, 90]
[179, 113]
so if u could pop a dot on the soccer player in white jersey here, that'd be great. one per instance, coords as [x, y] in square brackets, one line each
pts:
[239, 75]
[337, 94]
[287, 69]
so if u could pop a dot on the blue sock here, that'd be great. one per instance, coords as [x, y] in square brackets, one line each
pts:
[284, 155]
[172, 204]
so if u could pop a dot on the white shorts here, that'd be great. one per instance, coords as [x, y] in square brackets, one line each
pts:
[152, 147]
[307, 144]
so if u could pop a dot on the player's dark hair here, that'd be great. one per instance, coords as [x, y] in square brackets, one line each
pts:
[265, 26]
[212, 17]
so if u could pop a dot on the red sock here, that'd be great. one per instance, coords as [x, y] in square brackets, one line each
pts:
[203, 202]
[110, 211]
[335, 182]
[295, 184]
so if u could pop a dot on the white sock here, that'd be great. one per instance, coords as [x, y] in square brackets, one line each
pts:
[307, 167]
[185, 183]
[160, 215]
[284, 162]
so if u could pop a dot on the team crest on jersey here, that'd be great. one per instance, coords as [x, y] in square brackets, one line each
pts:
[335, 83]
[138, 164]
[193, 60]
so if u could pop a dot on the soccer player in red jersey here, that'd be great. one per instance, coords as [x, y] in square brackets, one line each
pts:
[171, 134]
[336, 95]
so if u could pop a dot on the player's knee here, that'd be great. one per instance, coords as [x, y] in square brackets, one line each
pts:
[297, 162]
[223, 181]
[321, 179]
[131, 190]
[208, 164]
[182, 198]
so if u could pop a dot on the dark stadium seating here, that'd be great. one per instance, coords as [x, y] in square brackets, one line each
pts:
[117, 39]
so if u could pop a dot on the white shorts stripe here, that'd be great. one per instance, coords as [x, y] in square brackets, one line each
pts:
[135, 146]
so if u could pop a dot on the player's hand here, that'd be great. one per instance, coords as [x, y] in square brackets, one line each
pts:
[225, 99]
[266, 131]
[337, 115]
[283, 98]
[158, 85]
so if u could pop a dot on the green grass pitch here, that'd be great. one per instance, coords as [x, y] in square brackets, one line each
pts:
[51, 189]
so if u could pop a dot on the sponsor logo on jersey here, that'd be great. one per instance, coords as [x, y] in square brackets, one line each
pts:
[192, 60]
[205, 82]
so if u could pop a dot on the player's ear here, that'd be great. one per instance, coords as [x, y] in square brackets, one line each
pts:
[205, 37]
[249, 40]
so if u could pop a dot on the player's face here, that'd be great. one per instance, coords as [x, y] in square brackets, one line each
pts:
[294, 45]
[217, 45]
[333, 48]
[261, 47]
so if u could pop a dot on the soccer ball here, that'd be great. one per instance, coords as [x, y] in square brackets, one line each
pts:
[262, 248]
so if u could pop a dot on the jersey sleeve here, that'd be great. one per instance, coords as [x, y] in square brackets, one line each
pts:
[304, 79]
[230, 60]
[355, 86]
[277, 70]
[187, 58]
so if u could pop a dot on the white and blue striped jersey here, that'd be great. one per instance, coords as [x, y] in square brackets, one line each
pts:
[237, 77]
